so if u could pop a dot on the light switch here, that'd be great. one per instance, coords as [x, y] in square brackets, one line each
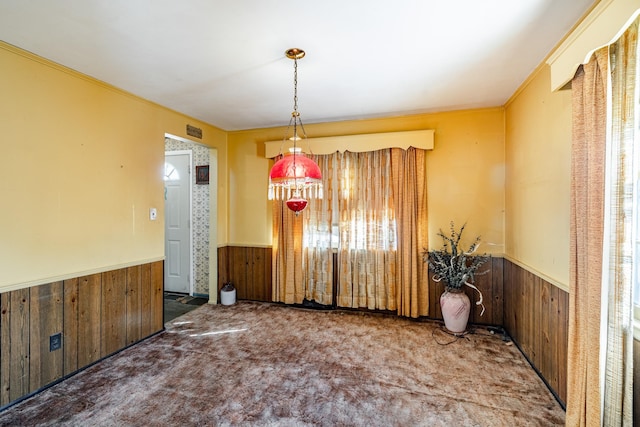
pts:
[153, 214]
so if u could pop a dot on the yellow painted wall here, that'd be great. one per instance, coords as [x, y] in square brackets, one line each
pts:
[82, 163]
[465, 173]
[538, 155]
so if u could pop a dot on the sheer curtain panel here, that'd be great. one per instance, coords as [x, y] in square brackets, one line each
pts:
[619, 224]
[319, 239]
[367, 228]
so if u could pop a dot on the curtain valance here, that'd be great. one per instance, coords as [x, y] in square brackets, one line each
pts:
[356, 143]
[604, 24]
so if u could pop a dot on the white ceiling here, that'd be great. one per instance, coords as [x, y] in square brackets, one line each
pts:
[223, 62]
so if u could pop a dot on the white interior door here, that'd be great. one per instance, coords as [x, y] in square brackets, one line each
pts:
[177, 233]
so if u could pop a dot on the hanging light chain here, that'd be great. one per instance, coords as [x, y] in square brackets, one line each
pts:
[295, 86]
[295, 115]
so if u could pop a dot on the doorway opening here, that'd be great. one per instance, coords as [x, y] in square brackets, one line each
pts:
[202, 225]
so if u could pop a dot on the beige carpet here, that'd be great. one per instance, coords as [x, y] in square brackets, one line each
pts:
[266, 364]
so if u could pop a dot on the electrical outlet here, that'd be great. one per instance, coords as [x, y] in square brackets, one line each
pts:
[55, 342]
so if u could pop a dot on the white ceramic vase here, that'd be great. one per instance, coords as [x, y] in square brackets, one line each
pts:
[455, 306]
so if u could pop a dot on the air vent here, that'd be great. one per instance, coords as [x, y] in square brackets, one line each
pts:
[194, 131]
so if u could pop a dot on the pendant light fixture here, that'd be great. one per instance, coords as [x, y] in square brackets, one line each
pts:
[295, 177]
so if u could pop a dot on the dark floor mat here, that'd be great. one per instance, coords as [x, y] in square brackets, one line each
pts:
[184, 298]
[172, 297]
[195, 301]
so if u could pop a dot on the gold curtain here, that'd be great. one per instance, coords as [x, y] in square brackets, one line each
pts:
[600, 391]
[286, 262]
[408, 168]
[586, 238]
[367, 227]
[619, 223]
[371, 229]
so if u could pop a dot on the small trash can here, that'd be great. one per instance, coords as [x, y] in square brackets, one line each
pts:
[228, 294]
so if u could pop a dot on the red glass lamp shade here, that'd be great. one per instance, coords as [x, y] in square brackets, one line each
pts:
[294, 178]
[296, 204]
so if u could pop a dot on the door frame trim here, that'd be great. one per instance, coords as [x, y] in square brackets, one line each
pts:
[191, 254]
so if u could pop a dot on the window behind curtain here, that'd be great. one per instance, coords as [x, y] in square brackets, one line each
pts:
[636, 212]
[636, 238]
[356, 219]
[366, 219]
[320, 238]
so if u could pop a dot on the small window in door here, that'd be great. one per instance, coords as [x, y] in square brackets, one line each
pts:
[170, 172]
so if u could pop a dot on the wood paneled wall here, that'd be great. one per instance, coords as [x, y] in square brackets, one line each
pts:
[536, 315]
[97, 315]
[248, 268]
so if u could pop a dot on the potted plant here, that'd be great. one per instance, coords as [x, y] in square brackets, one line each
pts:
[456, 268]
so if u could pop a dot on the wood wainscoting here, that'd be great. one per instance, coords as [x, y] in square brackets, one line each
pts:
[536, 315]
[248, 268]
[95, 315]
